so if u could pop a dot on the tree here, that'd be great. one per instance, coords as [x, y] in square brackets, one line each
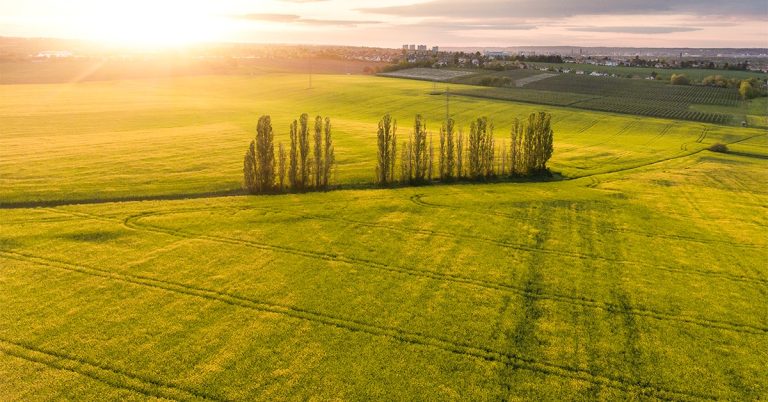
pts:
[449, 148]
[406, 166]
[747, 90]
[259, 162]
[481, 148]
[532, 144]
[304, 166]
[442, 158]
[281, 168]
[419, 152]
[516, 149]
[430, 161]
[460, 155]
[330, 157]
[318, 166]
[265, 155]
[503, 170]
[679, 79]
[249, 168]
[293, 169]
[386, 136]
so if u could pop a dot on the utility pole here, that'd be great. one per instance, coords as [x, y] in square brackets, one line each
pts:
[447, 104]
[310, 72]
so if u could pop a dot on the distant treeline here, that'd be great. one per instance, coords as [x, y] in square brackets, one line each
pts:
[463, 157]
[306, 165]
[309, 161]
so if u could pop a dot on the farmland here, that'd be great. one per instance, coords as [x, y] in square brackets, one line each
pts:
[608, 94]
[664, 74]
[640, 274]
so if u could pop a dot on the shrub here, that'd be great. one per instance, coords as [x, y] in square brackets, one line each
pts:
[719, 148]
[679, 79]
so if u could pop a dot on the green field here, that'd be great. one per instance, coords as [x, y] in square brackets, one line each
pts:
[621, 95]
[665, 74]
[641, 275]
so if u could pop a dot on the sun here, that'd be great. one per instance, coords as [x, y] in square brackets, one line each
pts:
[150, 24]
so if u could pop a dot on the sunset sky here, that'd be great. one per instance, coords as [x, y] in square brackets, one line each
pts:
[646, 23]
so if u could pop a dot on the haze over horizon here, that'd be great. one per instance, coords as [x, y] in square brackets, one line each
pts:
[448, 23]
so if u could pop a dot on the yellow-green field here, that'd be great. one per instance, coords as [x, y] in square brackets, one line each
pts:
[642, 275]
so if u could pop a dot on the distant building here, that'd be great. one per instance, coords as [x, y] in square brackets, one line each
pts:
[496, 55]
[435, 49]
[47, 54]
[405, 47]
[411, 47]
[422, 48]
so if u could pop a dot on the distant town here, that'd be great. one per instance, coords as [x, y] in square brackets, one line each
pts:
[411, 55]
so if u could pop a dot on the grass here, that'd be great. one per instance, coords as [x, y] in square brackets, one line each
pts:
[120, 139]
[697, 74]
[615, 95]
[641, 277]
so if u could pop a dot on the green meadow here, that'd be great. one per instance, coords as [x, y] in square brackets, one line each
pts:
[638, 273]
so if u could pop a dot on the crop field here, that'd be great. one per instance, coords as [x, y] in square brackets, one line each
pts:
[507, 78]
[614, 95]
[428, 74]
[665, 74]
[641, 275]
[187, 135]
[643, 89]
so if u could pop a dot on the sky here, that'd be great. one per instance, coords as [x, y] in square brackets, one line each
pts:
[447, 23]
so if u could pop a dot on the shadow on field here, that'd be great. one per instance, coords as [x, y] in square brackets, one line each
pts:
[552, 177]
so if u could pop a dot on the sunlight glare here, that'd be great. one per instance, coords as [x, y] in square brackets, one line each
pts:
[153, 24]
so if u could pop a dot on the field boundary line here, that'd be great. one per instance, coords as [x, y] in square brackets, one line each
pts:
[414, 338]
[102, 373]
[691, 271]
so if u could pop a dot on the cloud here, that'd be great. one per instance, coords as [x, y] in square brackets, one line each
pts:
[558, 8]
[295, 19]
[474, 26]
[270, 17]
[635, 30]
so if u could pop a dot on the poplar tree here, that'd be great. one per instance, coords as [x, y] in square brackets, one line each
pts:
[442, 161]
[304, 166]
[293, 170]
[532, 144]
[489, 150]
[460, 155]
[406, 165]
[329, 156]
[318, 170]
[503, 170]
[386, 141]
[419, 152]
[249, 168]
[516, 148]
[265, 155]
[476, 141]
[449, 154]
[430, 162]
[281, 166]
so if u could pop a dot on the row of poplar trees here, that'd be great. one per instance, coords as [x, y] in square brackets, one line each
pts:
[303, 167]
[463, 157]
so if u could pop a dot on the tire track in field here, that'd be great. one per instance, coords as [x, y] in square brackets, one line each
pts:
[523, 337]
[100, 372]
[690, 271]
[132, 223]
[413, 338]
[594, 182]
